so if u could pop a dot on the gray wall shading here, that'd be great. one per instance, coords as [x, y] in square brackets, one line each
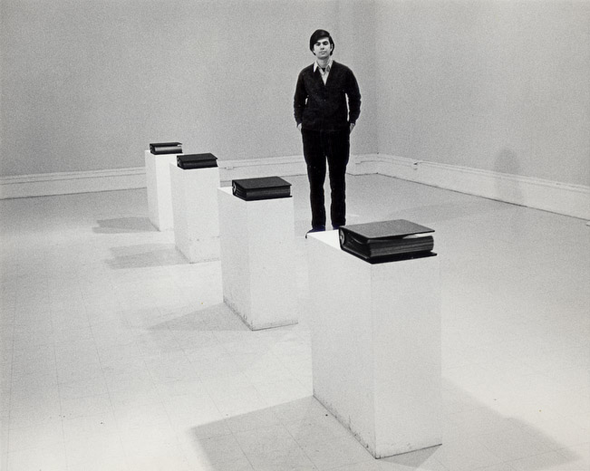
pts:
[492, 85]
[86, 85]
[489, 84]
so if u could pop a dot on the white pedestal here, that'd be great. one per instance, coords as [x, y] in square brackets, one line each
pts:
[258, 259]
[195, 211]
[157, 172]
[376, 346]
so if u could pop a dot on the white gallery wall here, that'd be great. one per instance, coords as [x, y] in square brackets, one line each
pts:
[478, 89]
[495, 85]
[87, 84]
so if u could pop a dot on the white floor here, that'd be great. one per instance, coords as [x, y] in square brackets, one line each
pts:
[117, 354]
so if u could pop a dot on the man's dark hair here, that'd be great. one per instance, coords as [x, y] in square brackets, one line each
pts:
[319, 34]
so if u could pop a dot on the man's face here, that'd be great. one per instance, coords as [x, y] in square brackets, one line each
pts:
[322, 48]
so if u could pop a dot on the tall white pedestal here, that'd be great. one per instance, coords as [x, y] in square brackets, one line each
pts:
[157, 172]
[195, 212]
[376, 346]
[258, 259]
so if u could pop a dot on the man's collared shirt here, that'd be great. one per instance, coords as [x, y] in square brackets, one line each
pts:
[323, 72]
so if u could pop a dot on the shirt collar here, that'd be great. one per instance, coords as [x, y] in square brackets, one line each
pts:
[328, 67]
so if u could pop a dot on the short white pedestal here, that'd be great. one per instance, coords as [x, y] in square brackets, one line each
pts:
[376, 346]
[195, 211]
[258, 259]
[157, 172]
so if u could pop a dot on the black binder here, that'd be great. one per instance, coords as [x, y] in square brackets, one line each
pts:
[190, 161]
[264, 188]
[387, 241]
[166, 148]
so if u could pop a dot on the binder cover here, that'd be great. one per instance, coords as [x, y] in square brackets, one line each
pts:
[387, 241]
[264, 188]
[166, 148]
[191, 161]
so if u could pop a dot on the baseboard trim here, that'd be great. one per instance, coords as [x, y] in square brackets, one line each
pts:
[561, 198]
[268, 167]
[51, 184]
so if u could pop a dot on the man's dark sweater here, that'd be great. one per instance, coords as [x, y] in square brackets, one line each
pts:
[323, 107]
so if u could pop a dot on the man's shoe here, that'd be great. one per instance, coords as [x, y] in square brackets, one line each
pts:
[316, 229]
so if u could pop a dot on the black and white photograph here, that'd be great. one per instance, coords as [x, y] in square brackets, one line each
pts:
[294, 235]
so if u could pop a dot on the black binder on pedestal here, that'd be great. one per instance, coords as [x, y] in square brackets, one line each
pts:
[191, 161]
[166, 148]
[264, 188]
[387, 241]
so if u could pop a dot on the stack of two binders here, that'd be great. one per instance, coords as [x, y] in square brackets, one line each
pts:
[158, 148]
[387, 241]
[192, 161]
[263, 188]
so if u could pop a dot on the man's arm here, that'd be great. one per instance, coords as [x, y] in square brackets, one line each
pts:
[354, 98]
[299, 100]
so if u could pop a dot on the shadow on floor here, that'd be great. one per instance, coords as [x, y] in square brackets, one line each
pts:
[145, 255]
[300, 433]
[123, 225]
[218, 317]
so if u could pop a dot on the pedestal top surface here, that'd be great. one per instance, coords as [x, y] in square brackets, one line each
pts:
[328, 237]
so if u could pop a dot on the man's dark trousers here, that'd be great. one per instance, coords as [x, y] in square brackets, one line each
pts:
[333, 147]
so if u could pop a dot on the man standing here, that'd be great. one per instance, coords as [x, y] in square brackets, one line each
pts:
[326, 121]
